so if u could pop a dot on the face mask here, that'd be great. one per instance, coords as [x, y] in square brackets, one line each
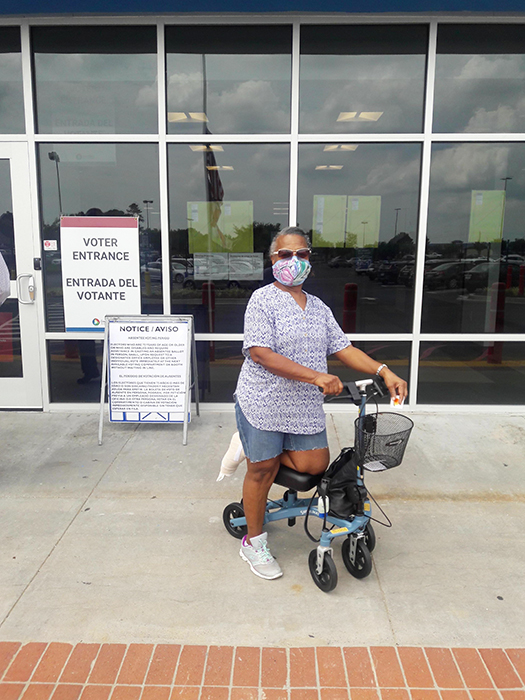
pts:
[292, 272]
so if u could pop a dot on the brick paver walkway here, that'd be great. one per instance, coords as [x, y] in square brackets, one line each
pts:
[57, 671]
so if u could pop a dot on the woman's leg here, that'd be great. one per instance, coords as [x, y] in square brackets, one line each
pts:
[308, 461]
[257, 482]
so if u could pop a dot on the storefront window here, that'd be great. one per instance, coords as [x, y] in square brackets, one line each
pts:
[100, 179]
[228, 79]
[489, 373]
[475, 255]
[226, 203]
[360, 204]
[480, 78]
[11, 91]
[95, 80]
[362, 79]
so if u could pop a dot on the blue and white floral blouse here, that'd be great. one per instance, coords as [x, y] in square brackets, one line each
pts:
[275, 320]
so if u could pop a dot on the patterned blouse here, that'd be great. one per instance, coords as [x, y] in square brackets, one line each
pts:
[275, 320]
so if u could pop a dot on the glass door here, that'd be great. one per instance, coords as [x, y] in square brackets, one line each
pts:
[20, 367]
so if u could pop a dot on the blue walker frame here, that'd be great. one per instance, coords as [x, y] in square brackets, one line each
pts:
[290, 507]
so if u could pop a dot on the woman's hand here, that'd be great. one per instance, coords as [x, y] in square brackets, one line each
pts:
[395, 385]
[329, 383]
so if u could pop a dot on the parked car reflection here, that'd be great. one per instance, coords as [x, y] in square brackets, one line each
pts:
[449, 275]
[485, 274]
[180, 272]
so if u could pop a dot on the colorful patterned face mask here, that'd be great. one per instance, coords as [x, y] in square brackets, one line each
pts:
[291, 272]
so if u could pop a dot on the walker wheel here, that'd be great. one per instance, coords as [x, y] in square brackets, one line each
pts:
[361, 566]
[234, 510]
[327, 579]
[370, 537]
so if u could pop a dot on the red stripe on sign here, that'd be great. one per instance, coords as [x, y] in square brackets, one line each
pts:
[99, 221]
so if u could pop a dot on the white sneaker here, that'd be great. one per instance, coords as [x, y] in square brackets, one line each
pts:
[259, 557]
[233, 457]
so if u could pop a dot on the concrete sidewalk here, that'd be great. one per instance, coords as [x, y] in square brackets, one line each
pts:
[125, 542]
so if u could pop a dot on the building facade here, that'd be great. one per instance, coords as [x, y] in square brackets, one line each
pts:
[397, 141]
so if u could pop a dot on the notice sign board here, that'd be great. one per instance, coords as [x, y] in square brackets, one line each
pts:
[100, 269]
[148, 361]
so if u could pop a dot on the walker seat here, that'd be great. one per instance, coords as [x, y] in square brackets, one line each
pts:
[296, 481]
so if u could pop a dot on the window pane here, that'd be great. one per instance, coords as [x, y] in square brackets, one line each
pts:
[95, 179]
[10, 348]
[7, 232]
[472, 373]
[95, 80]
[226, 202]
[219, 366]
[475, 242]
[395, 355]
[11, 91]
[480, 78]
[365, 79]
[74, 370]
[360, 202]
[228, 79]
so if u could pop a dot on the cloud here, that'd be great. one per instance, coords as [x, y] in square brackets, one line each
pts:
[502, 67]
[185, 92]
[502, 119]
[468, 166]
[147, 95]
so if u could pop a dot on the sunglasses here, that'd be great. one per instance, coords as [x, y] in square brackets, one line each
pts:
[286, 253]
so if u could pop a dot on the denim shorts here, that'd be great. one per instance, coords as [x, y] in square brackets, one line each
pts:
[259, 445]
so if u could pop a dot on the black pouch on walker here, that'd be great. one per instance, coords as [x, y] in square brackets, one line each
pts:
[339, 484]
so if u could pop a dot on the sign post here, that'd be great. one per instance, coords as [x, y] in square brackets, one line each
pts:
[148, 363]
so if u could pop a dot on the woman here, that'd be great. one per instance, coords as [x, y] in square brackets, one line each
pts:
[288, 335]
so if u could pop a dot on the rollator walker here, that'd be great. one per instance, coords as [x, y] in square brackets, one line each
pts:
[343, 502]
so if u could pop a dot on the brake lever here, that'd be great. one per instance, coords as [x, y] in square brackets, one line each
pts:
[380, 386]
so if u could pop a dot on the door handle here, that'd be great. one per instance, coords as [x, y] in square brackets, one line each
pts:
[30, 288]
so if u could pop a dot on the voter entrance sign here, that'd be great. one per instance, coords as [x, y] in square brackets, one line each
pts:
[148, 361]
[100, 269]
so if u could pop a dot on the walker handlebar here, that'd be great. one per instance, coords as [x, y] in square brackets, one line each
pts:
[356, 390]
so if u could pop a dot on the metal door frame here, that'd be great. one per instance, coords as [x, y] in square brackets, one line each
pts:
[26, 392]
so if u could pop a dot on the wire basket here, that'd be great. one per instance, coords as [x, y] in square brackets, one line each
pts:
[381, 439]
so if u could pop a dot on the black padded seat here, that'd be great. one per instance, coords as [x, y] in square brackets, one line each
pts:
[297, 481]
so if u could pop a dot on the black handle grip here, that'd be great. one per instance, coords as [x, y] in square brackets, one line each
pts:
[378, 388]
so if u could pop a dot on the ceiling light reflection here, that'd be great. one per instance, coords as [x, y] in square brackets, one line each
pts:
[341, 147]
[346, 116]
[190, 117]
[202, 148]
[361, 117]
